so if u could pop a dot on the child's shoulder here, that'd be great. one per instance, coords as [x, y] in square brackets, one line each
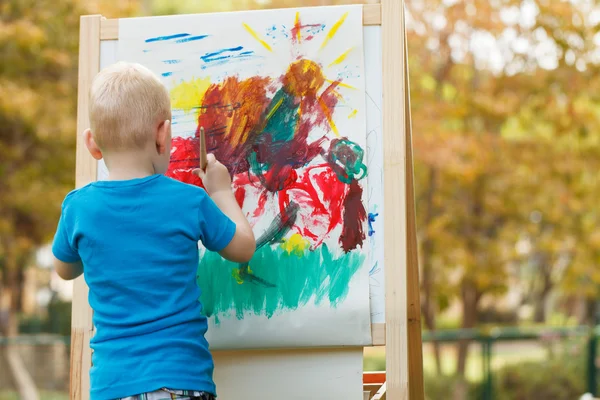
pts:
[75, 194]
[174, 184]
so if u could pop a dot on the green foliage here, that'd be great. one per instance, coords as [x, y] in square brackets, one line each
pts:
[57, 321]
[563, 378]
[561, 375]
[38, 81]
[506, 155]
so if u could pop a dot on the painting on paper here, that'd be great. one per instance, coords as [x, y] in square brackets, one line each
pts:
[281, 97]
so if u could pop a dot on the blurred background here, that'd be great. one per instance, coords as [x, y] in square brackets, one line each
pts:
[506, 125]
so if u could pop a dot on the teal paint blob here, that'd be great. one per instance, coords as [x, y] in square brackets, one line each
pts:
[316, 275]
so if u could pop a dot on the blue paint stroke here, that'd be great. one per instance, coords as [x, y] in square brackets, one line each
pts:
[208, 57]
[373, 270]
[313, 30]
[171, 61]
[372, 217]
[190, 39]
[169, 37]
[146, 50]
[167, 74]
[273, 32]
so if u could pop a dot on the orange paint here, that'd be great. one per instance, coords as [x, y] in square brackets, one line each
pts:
[237, 106]
[303, 78]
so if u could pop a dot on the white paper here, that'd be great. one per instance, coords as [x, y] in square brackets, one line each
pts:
[290, 374]
[214, 49]
[372, 38]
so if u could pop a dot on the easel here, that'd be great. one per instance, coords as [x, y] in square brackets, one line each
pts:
[401, 333]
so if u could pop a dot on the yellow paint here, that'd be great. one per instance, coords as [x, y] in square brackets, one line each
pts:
[338, 95]
[236, 132]
[255, 36]
[352, 114]
[274, 109]
[340, 58]
[328, 115]
[342, 84]
[297, 24]
[188, 95]
[333, 30]
[236, 275]
[296, 244]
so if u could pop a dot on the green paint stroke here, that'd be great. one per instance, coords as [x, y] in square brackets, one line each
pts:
[317, 274]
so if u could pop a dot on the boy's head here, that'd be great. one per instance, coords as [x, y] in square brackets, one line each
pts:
[130, 112]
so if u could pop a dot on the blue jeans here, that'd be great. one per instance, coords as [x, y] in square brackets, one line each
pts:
[169, 394]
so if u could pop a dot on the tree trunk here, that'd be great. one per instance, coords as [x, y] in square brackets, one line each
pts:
[427, 247]
[469, 308]
[9, 299]
[539, 315]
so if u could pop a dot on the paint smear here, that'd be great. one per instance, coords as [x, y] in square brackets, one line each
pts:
[188, 95]
[163, 38]
[295, 244]
[352, 114]
[255, 36]
[341, 58]
[372, 217]
[353, 234]
[316, 276]
[334, 30]
[191, 39]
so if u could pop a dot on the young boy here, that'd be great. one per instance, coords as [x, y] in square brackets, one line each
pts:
[135, 239]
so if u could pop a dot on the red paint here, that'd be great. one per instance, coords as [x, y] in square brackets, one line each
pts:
[353, 233]
[240, 193]
[233, 115]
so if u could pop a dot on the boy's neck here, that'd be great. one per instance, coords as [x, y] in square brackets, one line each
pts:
[124, 166]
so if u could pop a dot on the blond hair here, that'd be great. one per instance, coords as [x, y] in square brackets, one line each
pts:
[126, 102]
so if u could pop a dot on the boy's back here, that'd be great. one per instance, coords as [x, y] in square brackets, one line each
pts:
[138, 240]
[135, 238]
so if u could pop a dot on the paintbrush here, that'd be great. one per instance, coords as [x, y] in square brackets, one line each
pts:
[203, 160]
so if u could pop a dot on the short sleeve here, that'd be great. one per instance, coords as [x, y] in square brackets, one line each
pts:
[216, 229]
[62, 247]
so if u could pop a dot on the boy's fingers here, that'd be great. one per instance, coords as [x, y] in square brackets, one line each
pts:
[210, 158]
[199, 173]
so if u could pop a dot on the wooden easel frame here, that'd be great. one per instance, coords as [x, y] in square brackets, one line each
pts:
[401, 333]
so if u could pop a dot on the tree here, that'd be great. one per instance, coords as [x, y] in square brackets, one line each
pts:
[38, 82]
[502, 135]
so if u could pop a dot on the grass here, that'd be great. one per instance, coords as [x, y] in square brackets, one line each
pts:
[45, 395]
[502, 354]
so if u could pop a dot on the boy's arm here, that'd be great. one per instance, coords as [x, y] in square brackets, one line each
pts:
[68, 271]
[66, 260]
[241, 247]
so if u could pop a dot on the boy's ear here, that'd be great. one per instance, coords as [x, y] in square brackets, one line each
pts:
[163, 136]
[91, 144]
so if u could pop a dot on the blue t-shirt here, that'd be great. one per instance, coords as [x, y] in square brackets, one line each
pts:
[138, 242]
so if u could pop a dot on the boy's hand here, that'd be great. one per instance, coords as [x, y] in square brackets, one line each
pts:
[216, 177]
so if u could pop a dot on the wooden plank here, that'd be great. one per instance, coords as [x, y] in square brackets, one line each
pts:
[395, 199]
[110, 27]
[381, 393]
[415, 340]
[371, 14]
[378, 334]
[85, 172]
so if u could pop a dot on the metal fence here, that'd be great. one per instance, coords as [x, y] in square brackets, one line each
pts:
[487, 337]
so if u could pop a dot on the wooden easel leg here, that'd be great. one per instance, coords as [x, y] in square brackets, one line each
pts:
[86, 172]
[415, 344]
